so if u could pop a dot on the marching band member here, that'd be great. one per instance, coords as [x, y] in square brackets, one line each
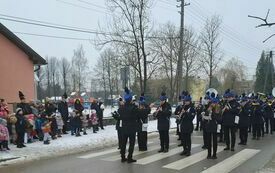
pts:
[257, 119]
[268, 115]
[211, 117]
[229, 119]
[163, 115]
[244, 119]
[186, 126]
[143, 111]
[128, 117]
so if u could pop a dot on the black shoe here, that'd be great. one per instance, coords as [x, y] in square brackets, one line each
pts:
[241, 143]
[183, 153]
[180, 145]
[19, 146]
[24, 145]
[131, 160]
[84, 133]
[65, 133]
[46, 142]
[232, 149]
[188, 154]
[204, 147]
[123, 160]
[209, 157]
[161, 150]
[226, 149]
[142, 149]
[214, 157]
[165, 150]
[102, 128]
[77, 135]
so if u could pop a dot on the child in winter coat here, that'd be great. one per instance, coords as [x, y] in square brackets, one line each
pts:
[39, 121]
[60, 123]
[84, 120]
[72, 116]
[11, 127]
[4, 135]
[78, 123]
[20, 127]
[46, 130]
[94, 120]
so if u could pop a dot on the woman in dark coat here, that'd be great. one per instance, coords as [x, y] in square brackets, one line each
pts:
[163, 115]
[77, 121]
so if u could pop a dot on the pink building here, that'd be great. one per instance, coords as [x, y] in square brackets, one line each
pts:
[17, 64]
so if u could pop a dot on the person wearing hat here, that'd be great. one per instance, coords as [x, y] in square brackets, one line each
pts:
[211, 118]
[128, 117]
[268, 114]
[186, 127]
[257, 119]
[163, 115]
[64, 111]
[244, 119]
[143, 112]
[26, 108]
[177, 113]
[20, 127]
[229, 115]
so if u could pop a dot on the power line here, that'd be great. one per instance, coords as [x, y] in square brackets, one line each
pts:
[53, 36]
[224, 30]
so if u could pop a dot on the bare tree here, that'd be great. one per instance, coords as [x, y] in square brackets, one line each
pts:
[265, 23]
[210, 44]
[53, 65]
[190, 56]
[165, 46]
[129, 29]
[65, 70]
[232, 74]
[79, 66]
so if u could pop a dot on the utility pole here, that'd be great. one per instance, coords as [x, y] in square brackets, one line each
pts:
[180, 63]
[272, 67]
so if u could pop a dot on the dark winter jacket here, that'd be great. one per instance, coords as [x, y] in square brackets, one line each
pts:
[21, 124]
[143, 117]
[63, 109]
[187, 117]
[268, 111]
[244, 115]
[26, 108]
[211, 125]
[257, 115]
[228, 116]
[50, 109]
[129, 117]
[163, 117]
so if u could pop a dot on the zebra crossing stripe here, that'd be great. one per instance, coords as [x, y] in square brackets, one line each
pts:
[232, 162]
[160, 156]
[188, 161]
[136, 153]
[101, 153]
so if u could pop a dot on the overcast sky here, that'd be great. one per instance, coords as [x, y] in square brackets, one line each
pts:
[240, 37]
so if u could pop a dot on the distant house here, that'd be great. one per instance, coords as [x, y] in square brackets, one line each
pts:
[17, 64]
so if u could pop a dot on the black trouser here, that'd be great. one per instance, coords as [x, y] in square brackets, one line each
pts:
[100, 121]
[198, 126]
[20, 138]
[186, 137]
[243, 134]
[132, 140]
[204, 138]
[269, 121]
[256, 128]
[65, 126]
[164, 139]
[119, 138]
[212, 141]
[232, 131]
[221, 134]
[142, 140]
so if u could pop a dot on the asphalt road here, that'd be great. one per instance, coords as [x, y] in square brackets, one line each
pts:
[245, 159]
